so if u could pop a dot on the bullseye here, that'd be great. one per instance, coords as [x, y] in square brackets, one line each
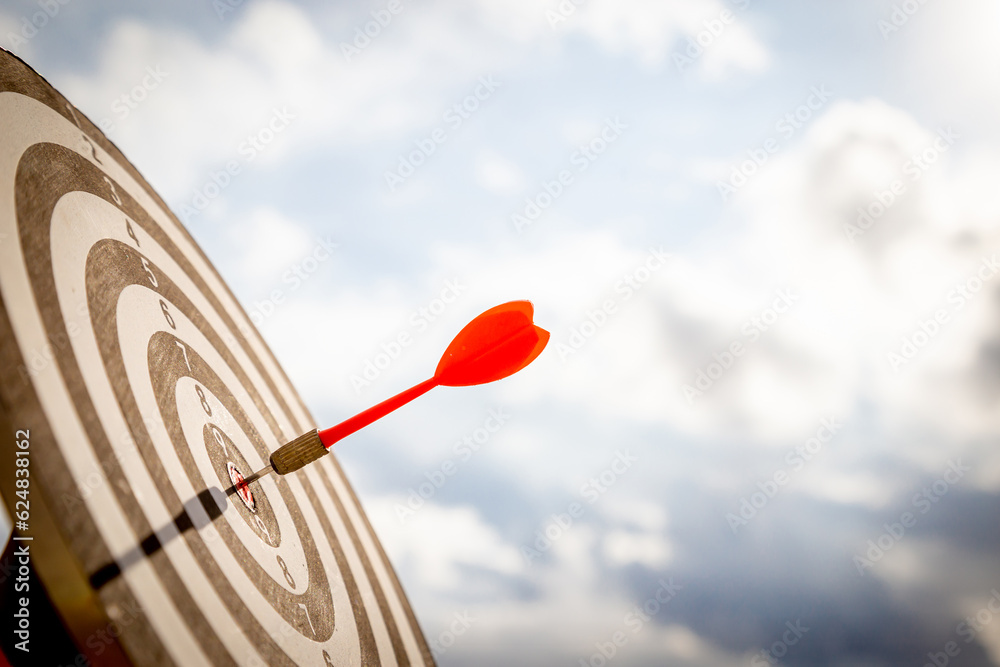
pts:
[242, 489]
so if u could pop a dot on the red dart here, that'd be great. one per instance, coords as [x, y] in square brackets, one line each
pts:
[498, 343]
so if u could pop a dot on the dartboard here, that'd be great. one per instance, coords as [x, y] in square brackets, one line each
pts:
[140, 392]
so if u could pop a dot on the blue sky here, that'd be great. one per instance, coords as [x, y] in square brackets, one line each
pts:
[846, 363]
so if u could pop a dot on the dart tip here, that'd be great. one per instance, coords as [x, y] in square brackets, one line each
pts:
[266, 470]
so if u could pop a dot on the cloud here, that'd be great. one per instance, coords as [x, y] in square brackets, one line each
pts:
[712, 34]
[442, 546]
[267, 244]
[861, 293]
[951, 76]
[626, 547]
[906, 267]
[687, 648]
[272, 55]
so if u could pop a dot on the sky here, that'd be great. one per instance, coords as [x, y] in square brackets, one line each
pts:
[763, 236]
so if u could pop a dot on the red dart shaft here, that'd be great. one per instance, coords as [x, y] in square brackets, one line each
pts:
[331, 435]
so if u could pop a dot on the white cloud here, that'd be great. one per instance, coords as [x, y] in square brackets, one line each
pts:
[653, 30]
[647, 30]
[861, 487]
[683, 644]
[267, 244]
[438, 541]
[274, 56]
[625, 547]
[950, 77]
[737, 50]
[858, 299]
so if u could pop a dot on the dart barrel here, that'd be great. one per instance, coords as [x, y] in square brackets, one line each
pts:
[298, 453]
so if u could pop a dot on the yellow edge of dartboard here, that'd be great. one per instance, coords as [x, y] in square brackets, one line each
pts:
[63, 578]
